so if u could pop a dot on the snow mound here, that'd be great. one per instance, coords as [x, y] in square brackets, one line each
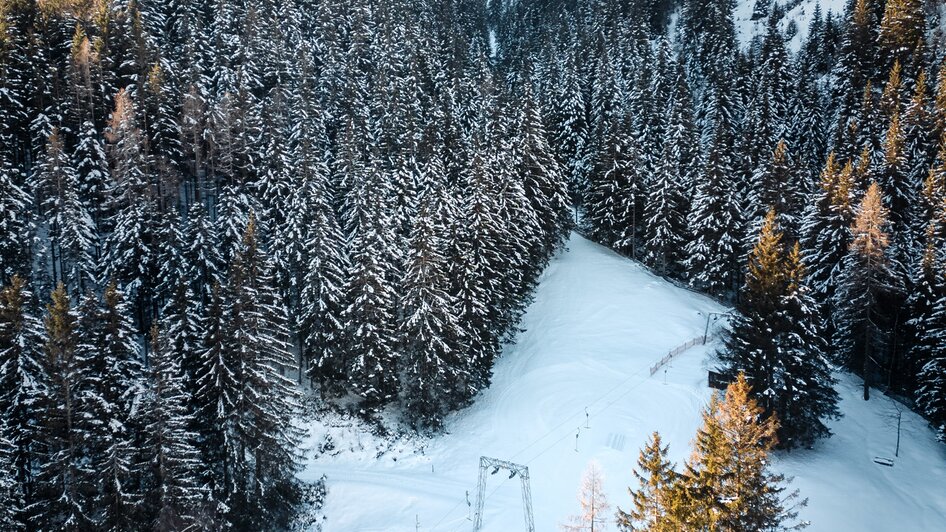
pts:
[597, 325]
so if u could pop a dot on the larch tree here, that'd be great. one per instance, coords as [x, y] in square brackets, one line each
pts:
[595, 510]
[728, 484]
[867, 282]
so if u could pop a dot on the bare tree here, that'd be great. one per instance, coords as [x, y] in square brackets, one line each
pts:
[595, 510]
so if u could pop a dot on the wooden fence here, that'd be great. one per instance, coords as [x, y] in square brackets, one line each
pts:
[676, 351]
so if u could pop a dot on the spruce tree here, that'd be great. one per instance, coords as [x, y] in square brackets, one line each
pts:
[614, 203]
[109, 394]
[651, 502]
[261, 442]
[15, 222]
[712, 253]
[172, 476]
[22, 385]
[61, 501]
[437, 380]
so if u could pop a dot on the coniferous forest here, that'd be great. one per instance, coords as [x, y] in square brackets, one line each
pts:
[214, 214]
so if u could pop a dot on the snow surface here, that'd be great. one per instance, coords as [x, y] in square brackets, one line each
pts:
[746, 28]
[597, 324]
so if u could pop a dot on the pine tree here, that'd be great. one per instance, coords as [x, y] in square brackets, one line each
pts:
[651, 502]
[868, 281]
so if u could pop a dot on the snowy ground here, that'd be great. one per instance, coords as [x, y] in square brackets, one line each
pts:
[597, 324]
[802, 13]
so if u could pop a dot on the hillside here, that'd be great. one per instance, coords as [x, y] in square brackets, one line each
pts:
[597, 324]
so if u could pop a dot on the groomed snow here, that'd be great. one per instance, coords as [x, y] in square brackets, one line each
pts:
[597, 324]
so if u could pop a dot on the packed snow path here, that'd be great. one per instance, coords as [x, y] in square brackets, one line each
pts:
[597, 324]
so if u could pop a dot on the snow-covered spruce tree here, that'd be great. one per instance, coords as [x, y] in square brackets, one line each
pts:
[172, 478]
[21, 393]
[260, 440]
[213, 406]
[652, 500]
[901, 31]
[203, 263]
[130, 253]
[11, 494]
[931, 391]
[614, 203]
[108, 398]
[899, 193]
[477, 260]
[15, 222]
[370, 295]
[866, 286]
[437, 372]
[775, 341]
[321, 298]
[543, 181]
[570, 128]
[71, 230]
[856, 64]
[92, 173]
[807, 397]
[826, 233]
[776, 185]
[671, 190]
[713, 251]
[61, 501]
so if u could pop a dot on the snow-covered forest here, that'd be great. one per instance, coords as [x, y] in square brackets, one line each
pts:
[220, 220]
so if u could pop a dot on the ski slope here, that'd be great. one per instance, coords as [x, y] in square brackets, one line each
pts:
[596, 326]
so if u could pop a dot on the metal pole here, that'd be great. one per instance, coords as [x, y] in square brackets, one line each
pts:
[897, 451]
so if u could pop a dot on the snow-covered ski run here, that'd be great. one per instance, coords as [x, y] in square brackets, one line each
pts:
[598, 323]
